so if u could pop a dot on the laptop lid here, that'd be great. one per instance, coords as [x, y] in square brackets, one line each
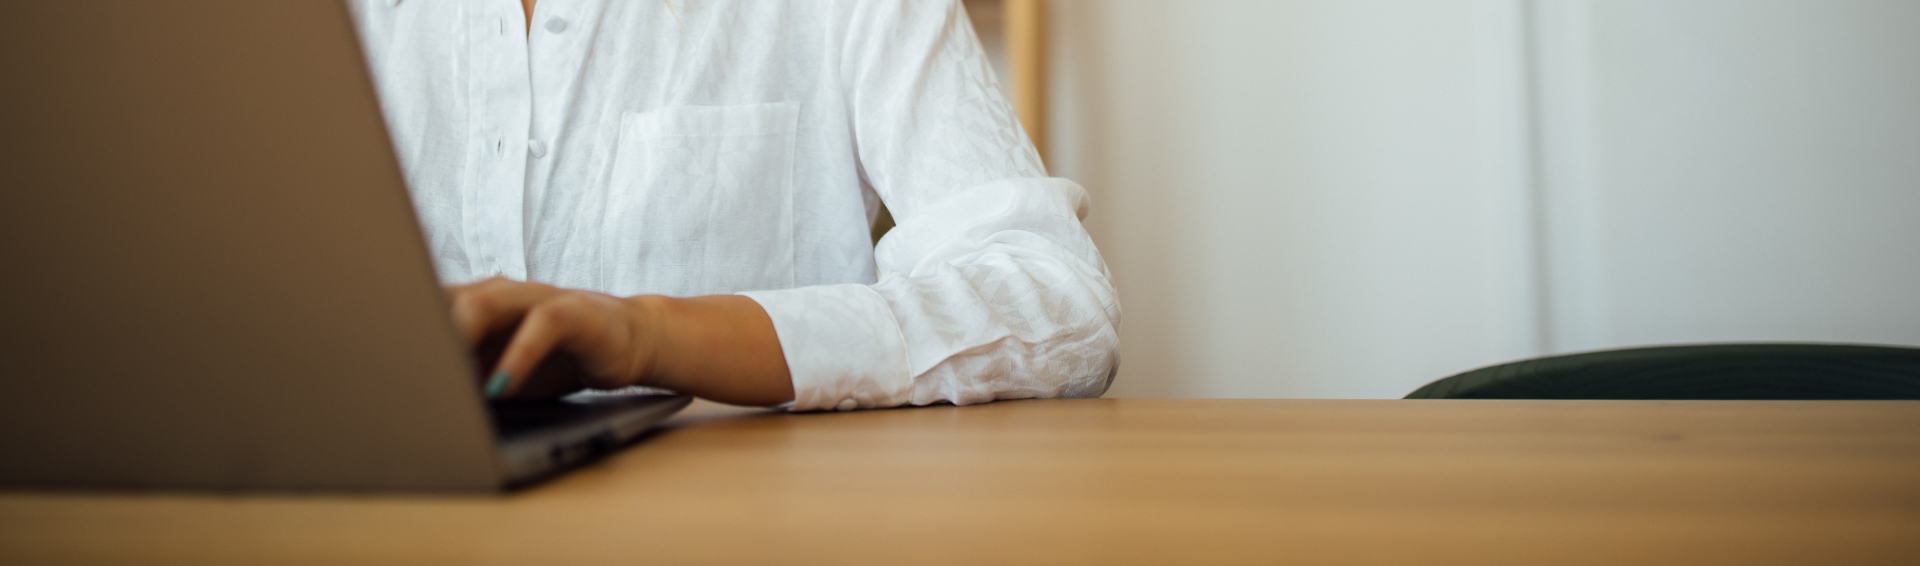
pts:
[214, 278]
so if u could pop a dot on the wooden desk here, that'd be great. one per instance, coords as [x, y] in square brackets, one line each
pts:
[1113, 482]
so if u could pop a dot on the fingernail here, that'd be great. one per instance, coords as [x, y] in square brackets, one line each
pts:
[498, 384]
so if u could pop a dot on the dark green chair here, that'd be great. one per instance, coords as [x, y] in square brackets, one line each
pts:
[1714, 371]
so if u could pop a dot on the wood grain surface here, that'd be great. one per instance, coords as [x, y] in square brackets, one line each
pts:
[1110, 481]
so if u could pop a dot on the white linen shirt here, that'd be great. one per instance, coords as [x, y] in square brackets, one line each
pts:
[744, 146]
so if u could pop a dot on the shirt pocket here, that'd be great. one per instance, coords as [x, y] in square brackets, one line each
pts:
[701, 200]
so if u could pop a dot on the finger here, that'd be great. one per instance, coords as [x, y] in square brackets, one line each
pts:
[547, 325]
[493, 305]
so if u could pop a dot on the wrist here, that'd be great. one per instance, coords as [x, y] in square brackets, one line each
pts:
[648, 318]
[721, 347]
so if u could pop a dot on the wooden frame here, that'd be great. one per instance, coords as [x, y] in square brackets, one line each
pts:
[1026, 37]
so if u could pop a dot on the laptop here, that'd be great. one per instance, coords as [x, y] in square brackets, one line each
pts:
[214, 279]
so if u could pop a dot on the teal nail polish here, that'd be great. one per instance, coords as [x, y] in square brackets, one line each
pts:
[498, 384]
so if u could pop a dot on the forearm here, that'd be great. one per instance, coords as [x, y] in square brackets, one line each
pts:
[718, 347]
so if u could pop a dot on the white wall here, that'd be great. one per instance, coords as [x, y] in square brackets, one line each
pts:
[1349, 199]
[1732, 170]
[1300, 199]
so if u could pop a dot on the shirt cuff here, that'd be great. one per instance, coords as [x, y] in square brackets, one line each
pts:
[842, 344]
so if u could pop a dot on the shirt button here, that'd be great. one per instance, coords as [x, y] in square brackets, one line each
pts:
[537, 148]
[556, 25]
[847, 404]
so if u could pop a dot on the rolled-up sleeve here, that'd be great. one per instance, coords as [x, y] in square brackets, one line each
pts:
[989, 286]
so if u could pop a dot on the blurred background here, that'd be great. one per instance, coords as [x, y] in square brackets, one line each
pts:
[1352, 198]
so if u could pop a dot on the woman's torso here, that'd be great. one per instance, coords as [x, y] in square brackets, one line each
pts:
[624, 146]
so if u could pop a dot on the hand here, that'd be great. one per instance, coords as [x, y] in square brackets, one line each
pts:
[537, 341]
[540, 341]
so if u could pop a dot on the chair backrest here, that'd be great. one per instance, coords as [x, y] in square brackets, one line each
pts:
[1712, 371]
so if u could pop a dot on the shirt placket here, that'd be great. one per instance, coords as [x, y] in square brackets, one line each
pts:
[501, 99]
[556, 45]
